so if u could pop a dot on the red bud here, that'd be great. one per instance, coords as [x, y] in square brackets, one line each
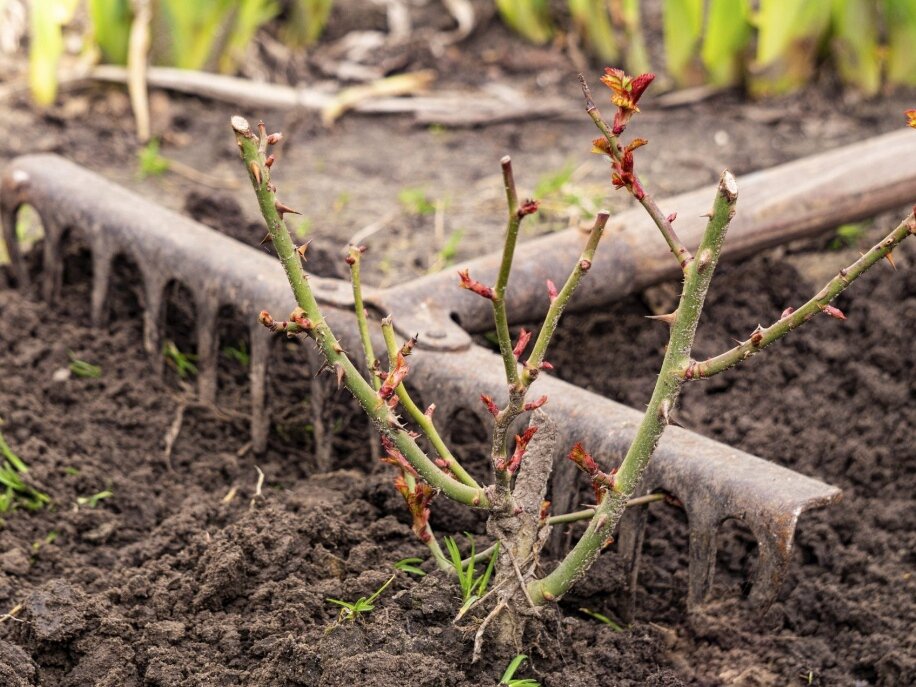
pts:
[529, 207]
[474, 285]
[551, 291]
[833, 312]
[524, 336]
[534, 405]
[491, 406]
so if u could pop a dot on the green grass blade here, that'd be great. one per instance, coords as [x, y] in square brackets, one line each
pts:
[855, 44]
[111, 20]
[789, 37]
[900, 18]
[488, 572]
[530, 18]
[725, 39]
[591, 19]
[512, 667]
[683, 24]
[306, 21]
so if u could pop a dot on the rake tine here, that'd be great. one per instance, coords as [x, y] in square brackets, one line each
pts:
[101, 279]
[704, 525]
[207, 307]
[260, 353]
[630, 536]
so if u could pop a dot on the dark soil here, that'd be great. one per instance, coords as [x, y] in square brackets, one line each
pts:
[185, 576]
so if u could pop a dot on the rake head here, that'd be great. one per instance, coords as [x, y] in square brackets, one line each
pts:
[713, 481]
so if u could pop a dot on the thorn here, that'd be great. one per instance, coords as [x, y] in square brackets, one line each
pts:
[664, 410]
[429, 411]
[340, 374]
[890, 258]
[667, 319]
[303, 249]
[284, 209]
[255, 171]
[671, 217]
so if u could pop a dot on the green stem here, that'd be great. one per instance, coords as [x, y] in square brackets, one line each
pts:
[418, 416]
[552, 319]
[697, 276]
[762, 338]
[678, 249]
[253, 151]
[502, 279]
[354, 257]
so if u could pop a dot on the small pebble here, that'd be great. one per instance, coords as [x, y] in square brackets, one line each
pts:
[61, 375]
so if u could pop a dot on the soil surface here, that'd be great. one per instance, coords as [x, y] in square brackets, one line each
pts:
[190, 573]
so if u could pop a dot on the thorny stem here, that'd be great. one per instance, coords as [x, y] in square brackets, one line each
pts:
[354, 257]
[697, 276]
[424, 421]
[761, 338]
[532, 366]
[502, 279]
[519, 389]
[253, 152]
[678, 249]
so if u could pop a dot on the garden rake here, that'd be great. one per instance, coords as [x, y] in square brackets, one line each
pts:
[714, 481]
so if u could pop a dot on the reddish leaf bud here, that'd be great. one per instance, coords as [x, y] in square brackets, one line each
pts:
[585, 265]
[534, 405]
[833, 312]
[265, 319]
[671, 217]
[491, 406]
[394, 457]
[269, 162]
[529, 207]
[545, 365]
[552, 291]
[274, 138]
[524, 336]
[582, 459]
[521, 445]
[393, 380]
[474, 285]
[785, 313]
